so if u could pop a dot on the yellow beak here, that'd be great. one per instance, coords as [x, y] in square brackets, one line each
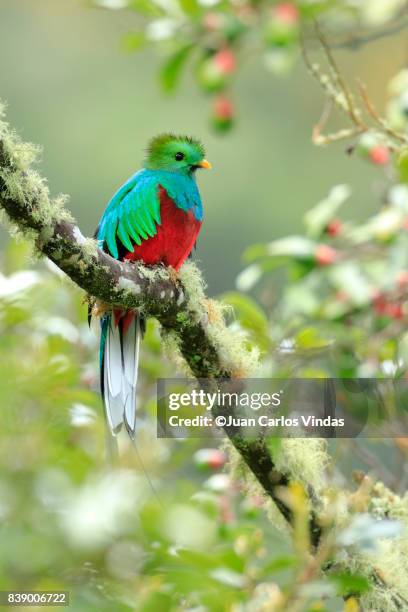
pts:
[204, 164]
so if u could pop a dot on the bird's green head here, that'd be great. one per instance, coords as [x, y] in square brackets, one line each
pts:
[180, 154]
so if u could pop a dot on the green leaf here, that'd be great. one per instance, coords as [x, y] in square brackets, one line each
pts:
[348, 584]
[250, 315]
[292, 247]
[278, 564]
[255, 251]
[402, 167]
[146, 7]
[133, 41]
[309, 338]
[314, 9]
[296, 247]
[299, 298]
[318, 217]
[274, 447]
[171, 70]
[228, 577]
[157, 602]
[348, 277]
[190, 7]
[248, 277]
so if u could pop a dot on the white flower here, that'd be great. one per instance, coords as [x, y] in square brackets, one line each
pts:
[160, 29]
[81, 415]
[103, 509]
[17, 283]
[59, 326]
[248, 277]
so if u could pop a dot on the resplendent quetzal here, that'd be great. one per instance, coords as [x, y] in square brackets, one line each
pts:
[155, 217]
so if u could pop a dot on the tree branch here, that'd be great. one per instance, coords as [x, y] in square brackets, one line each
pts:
[116, 283]
[355, 40]
[205, 343]
[208, 347]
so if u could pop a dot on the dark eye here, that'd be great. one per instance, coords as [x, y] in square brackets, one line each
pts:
[179, 156]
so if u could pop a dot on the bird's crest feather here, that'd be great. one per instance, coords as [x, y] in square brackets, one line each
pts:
[162, 139]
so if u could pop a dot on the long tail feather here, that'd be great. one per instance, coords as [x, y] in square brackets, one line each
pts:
[119, 360]
[130, 353]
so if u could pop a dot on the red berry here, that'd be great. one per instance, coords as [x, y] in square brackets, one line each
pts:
[394, 310]
[210, 458]
[225, 61]
[334, 227]
[223, 108]
[379, 302]
[379, 155]
[381, 307]
[287, 13]
[384, 307]
[325, 255]
[216, 460]
[402, 279]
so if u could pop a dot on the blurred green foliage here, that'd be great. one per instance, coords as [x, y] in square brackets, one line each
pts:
[166, 528]
[181, 537]
[216, 36]
[93, 107]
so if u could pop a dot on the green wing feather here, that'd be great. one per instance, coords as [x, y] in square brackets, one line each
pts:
[132, 214]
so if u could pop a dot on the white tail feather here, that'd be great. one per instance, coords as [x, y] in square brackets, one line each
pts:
[121, 360]
[131, 345]
[113, 405]
[114, 360]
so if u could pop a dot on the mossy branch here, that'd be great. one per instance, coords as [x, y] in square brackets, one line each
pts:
[191, 321]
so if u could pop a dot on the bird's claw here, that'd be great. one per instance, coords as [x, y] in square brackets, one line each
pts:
[173, 274]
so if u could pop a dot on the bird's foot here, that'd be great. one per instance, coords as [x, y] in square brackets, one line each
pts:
[173, 274]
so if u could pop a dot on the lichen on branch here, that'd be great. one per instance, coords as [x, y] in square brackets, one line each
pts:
[191, 323]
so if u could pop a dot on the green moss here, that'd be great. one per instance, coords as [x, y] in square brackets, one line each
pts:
[192, 279]
[240, 472]
[171, 350]
[386, 569]
[379, 600]
[234, 354]
[182, 317]
[386, 504]
[304, 460]
[57, 254]
[153, 273]
[89, 249]
[24, 185]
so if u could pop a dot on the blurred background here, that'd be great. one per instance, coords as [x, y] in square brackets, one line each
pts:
[168, 528]
[72, 88]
